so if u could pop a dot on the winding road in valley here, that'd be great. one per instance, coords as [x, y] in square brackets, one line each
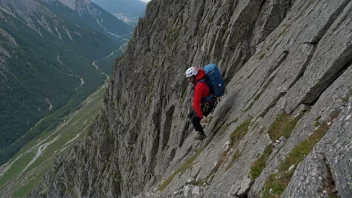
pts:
[111, 54]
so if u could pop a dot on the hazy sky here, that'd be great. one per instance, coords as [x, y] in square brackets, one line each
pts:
[145, 0]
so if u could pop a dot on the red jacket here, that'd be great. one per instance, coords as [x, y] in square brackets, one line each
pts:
[201, 90]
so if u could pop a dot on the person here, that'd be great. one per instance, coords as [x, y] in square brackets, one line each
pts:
[203, 102]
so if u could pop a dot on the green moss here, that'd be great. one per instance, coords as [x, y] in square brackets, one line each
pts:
[347, 97]
[282, 126]
[262, 55]
[149, 92]
[187, 164]
[257, 96]
[317, 121]
[279, 181]
[333, 195]
[239, 133]
[259, 165]
[283, 31]
[117, 178]
[183, 96]
[198, 182]
[235, 156]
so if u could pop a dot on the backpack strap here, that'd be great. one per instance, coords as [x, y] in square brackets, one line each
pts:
[202, 80]
[194, 85]
[204, 99]
[209, 98]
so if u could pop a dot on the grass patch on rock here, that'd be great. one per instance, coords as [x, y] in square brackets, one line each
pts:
[282, 126]
[316, 123]
[235, 156]
[258, 96]
[183, 95]
[239, 133]
[278, 182]
[198, 182]
[347, 97]
[259, 165]
[262, 55]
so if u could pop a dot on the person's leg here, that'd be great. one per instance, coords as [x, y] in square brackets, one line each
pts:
[195, 120]
[196, 124]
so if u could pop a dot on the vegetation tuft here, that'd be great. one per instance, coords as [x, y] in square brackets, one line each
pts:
[235, 156]
[316, 123]
[262, 55]
[282, 126]
[198, 182]
[239, 133]
[259, 165]
[277, 183]
[347, 97]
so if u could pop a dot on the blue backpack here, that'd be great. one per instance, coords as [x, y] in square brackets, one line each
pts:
[215, 81]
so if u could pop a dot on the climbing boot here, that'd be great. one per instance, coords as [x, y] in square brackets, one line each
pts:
[200, 136]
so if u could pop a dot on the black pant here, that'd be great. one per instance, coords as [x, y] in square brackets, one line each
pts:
[207, 108]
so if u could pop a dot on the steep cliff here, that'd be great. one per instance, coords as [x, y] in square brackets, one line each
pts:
[283, 128]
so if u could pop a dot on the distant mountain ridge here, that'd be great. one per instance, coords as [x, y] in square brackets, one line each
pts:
[46, 52]
[127, 10]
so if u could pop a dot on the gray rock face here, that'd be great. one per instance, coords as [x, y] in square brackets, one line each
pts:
[332, 155]
[277, 57]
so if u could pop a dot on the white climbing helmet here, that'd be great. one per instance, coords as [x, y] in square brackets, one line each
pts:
[192, 71]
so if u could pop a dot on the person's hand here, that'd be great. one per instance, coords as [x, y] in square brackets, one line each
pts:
[204, 120]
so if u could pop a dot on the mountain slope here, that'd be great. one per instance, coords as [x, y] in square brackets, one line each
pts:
[127, 10]
[128, 7]
[24, 171]
[89, 15]
[282, 129]
[46, 66]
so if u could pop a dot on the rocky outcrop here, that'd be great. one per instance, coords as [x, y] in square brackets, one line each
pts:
[281, 129]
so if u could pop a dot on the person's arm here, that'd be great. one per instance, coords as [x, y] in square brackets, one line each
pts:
[197, 99]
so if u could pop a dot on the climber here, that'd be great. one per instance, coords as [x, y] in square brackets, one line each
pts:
[203, 102]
